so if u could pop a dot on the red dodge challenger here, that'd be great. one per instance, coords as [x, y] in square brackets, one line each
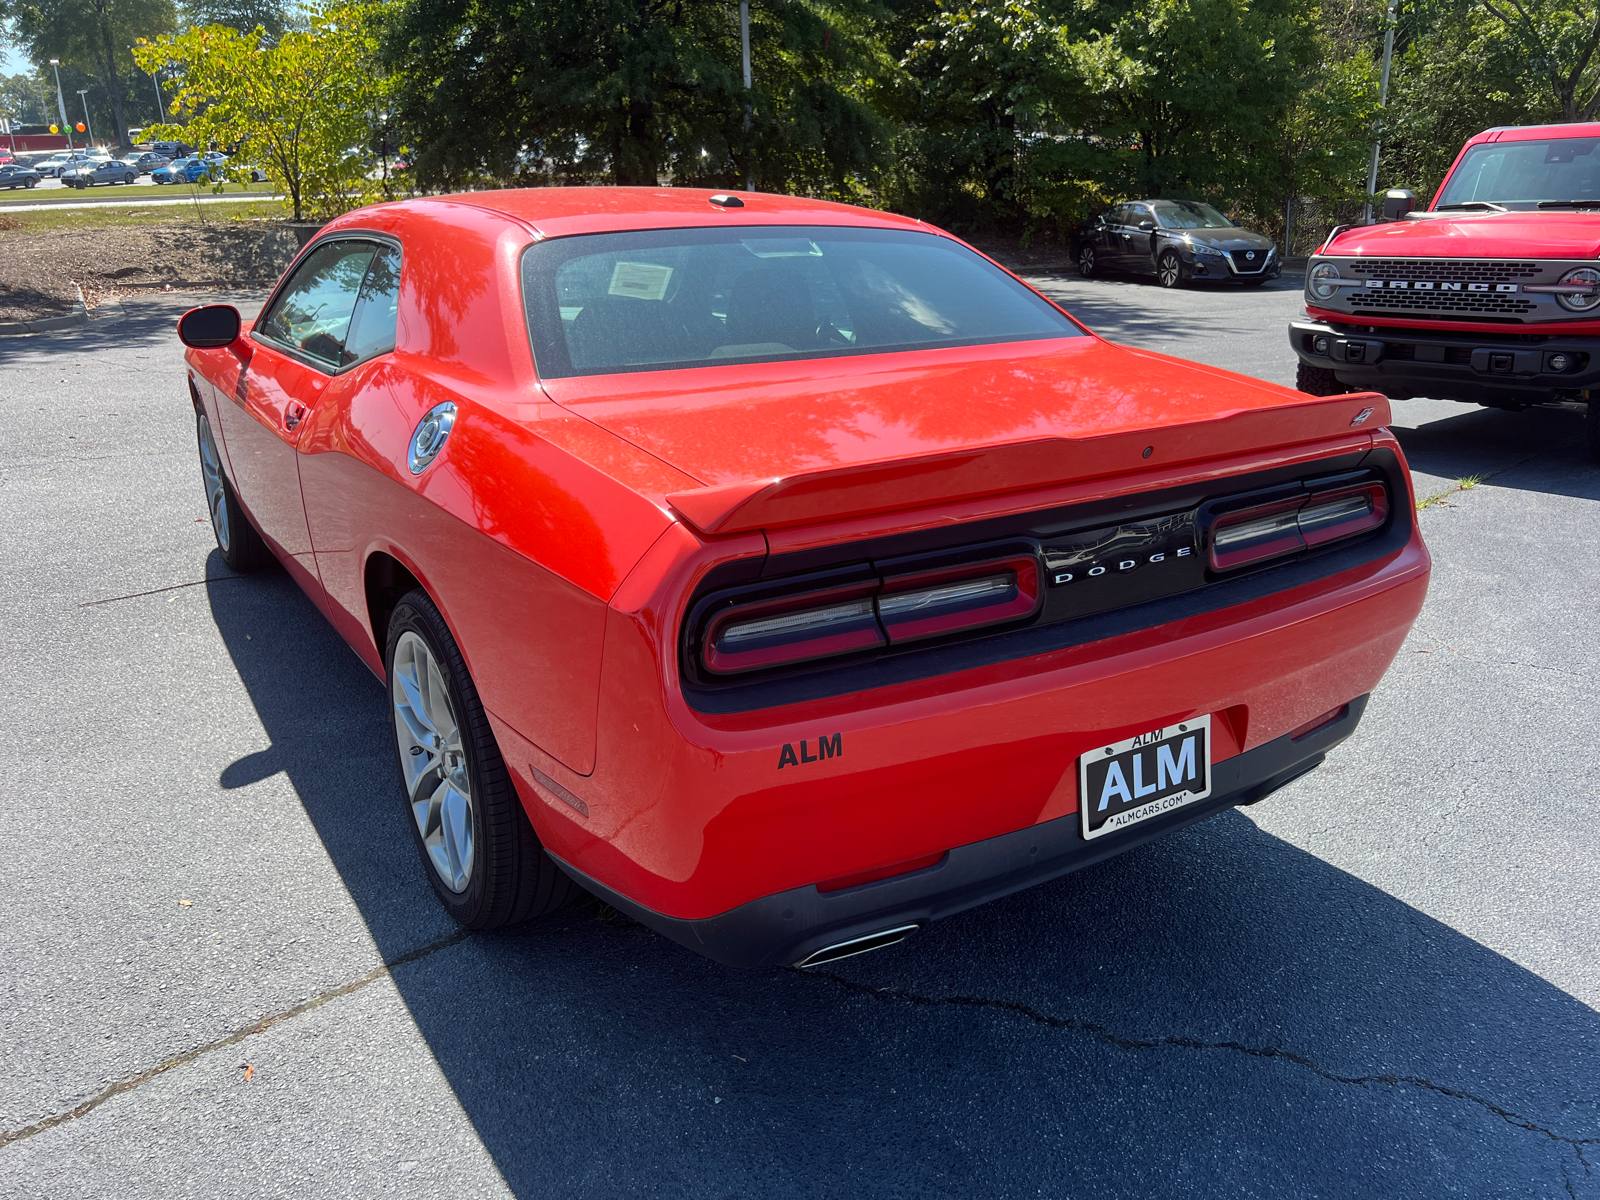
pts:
[788, 574]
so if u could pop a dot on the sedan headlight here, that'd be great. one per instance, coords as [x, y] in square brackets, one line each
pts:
[1581, 302]
[1323, 281]
[1202, 248]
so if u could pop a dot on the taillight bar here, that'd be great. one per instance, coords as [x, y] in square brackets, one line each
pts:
[1287, 526]
[932, 603]
[795, 629]
[891, 610]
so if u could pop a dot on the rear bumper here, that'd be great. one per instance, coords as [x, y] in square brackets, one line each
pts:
[789, 926]
[1474, 367]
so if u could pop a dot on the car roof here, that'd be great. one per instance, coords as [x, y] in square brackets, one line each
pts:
[1529, 133]
[556, 211]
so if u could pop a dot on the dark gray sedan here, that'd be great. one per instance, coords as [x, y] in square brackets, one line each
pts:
[1175, 241]
[15, 175]
[89, 174]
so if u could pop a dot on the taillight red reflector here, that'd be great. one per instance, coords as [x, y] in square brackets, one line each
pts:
[818, 625]
[1310, 727]
[877, 873]
[1286, 526]
[931, 603]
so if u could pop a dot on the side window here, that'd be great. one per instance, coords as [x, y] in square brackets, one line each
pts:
[312, 314]
[1138, 214]
[378, 309]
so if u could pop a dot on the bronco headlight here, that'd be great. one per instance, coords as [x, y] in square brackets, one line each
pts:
[1582, 301]
[1322, 282]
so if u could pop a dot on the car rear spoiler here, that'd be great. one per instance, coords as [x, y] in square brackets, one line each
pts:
[862, 489]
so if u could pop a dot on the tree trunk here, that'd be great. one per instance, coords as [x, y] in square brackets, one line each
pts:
[634, 165]
[112, 84]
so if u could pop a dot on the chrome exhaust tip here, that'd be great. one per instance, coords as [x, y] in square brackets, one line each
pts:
[860, 945]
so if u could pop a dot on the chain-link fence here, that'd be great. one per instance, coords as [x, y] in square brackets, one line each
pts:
[1310, 221]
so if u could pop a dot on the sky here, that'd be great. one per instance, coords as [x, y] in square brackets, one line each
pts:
[12, 62]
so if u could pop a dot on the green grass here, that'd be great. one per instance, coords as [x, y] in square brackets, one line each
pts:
[1465, 484]
[121, 195]
[44, 220]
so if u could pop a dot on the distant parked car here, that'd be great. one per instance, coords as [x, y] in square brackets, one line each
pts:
[149, 161]
[184, 170]
[111, 170]
[14, 175]
[173, 149]
[1176, 241]
[60, 161]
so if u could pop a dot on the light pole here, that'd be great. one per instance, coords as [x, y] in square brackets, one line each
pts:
[1383, 101]
[83, 94]
[61, 104]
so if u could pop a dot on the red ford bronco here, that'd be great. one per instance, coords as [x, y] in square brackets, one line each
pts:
[1491, 296]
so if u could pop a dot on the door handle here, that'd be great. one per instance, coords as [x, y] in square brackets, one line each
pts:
[293, 415]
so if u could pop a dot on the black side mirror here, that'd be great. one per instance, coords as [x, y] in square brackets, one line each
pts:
[1147, 226]
[210, 327]
[1397, 202]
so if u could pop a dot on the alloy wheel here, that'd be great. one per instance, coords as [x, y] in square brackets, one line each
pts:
[433, 760]
[216, 489]
[1169, 270]
[1086, 261]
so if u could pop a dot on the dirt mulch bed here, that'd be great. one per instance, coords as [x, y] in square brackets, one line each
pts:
[40, 273]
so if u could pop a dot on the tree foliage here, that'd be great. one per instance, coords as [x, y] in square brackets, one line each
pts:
[91, 35]
[631, 91]
[295, 108]
[272, 16]
[23, 99]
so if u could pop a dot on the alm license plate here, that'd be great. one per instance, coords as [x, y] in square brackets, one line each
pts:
[1144, 776]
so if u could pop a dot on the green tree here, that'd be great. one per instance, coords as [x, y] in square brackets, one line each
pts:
[636, 90]
[243, 15]
[23, 100]
[91, 35]
[294, 108]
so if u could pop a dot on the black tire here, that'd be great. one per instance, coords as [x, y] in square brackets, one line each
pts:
[1087, 267]
[1318, 381]
[1592, 429]
[511, 878]
[243, 550]
[1169, 270]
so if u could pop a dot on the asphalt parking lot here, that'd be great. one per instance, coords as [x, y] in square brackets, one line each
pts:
[224, 972]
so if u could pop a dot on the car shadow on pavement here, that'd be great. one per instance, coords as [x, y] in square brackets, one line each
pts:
[1218, 1013]
[1497, 444]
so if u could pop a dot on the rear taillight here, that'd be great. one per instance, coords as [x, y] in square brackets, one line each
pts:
[932, 603]
[1271, 530]
[792, 630]
[894, 609]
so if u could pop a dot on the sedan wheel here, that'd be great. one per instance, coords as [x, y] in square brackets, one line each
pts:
[1086, 263]
[483, 858]
[1169, 271]
[241, 546]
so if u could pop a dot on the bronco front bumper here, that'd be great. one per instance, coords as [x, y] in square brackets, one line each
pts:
[788, 927]
[1508, 370]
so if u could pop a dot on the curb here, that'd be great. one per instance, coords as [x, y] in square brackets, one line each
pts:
[77, 319]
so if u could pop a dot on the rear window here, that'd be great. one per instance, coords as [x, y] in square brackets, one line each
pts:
[659, 299]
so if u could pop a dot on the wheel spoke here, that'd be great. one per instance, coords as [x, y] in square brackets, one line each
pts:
[438, 784]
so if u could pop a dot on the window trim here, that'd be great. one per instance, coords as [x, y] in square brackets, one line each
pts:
[300, 356]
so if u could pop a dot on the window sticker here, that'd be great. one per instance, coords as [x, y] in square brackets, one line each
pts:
[642, 281]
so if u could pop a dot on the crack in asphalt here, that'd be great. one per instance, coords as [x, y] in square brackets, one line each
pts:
[1498, 662]
[157, 591]
[1126, 1042]
[11, 1136]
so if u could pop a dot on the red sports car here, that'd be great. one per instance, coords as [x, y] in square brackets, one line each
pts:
[789, 574]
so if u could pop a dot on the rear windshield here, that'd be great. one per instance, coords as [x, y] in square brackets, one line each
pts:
[1521, 174]
[659, 299]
